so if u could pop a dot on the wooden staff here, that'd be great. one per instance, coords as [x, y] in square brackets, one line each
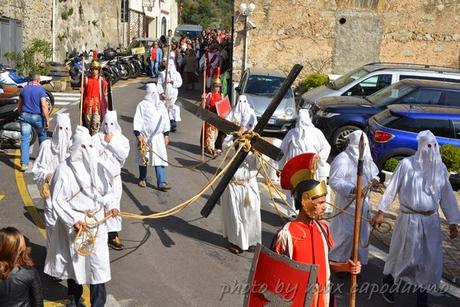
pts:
[82, 88]
[203, 105]
[358, 213]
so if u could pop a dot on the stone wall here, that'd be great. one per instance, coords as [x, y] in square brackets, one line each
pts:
[336, 36]
[87, 24]
[35, 17]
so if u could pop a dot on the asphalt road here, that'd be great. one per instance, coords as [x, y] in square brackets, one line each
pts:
[180, 260]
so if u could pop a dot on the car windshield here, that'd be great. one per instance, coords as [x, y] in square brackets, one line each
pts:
[390, 94]
[347, 78]
[265, 86]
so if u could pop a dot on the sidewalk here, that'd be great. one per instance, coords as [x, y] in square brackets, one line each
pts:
[451, 248]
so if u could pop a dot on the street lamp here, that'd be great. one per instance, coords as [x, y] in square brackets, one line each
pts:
[246, 11]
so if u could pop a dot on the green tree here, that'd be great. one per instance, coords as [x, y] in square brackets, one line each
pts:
[208, 13]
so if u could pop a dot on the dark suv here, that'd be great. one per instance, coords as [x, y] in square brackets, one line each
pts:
[338, 116]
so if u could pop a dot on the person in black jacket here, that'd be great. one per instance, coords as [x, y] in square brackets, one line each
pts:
[20, 284]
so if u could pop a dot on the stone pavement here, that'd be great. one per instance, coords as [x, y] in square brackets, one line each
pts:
[451, 248]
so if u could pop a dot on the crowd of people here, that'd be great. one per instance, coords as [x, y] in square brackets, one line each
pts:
[79, 178]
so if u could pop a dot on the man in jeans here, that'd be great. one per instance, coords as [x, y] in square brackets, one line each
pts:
[33, 113]
[156, 55]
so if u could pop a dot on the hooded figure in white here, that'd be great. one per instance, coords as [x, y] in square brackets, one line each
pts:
[422, 183]
[305, 138]
[169, 86]
[242, 114]
[52, 152]
[241, 199]
[113, 147]
[81, 187]
[342, 180]
[151, 123]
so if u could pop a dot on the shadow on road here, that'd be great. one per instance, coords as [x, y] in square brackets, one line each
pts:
[52, 290]
[174, 224]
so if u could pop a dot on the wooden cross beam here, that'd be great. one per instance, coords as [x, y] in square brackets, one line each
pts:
[257, 143]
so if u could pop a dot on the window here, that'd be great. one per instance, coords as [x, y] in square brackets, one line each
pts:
[438, 127]
[369, 86]
[265, 86]
[456, 124]
[451, 98]
[163, 26]
[423, 96]
[348, 78]
[441, 78]
[390, 94]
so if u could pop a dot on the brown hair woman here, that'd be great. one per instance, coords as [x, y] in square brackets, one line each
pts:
[20, 283]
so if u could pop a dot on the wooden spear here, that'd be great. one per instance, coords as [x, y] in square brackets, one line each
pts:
[82, 88]
[203, 105]
[358, 214]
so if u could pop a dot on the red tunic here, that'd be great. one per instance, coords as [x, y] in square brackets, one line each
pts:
[94, 96]
[212, 99]
[310, 245]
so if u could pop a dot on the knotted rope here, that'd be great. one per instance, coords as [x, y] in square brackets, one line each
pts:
[84, 242]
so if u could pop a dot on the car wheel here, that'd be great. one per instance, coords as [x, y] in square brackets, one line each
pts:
[340, 137]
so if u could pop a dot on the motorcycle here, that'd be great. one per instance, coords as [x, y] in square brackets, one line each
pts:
[10, 127]
[9, 77]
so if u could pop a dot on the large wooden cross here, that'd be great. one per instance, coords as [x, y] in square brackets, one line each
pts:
[257, 142]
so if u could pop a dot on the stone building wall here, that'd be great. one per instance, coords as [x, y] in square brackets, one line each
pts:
[336, 36]
[87, 24]
[35, 16]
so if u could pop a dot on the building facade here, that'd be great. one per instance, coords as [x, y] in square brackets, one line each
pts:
[336, 36]
[151, 18]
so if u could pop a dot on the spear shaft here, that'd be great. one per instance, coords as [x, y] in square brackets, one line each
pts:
[358, 214]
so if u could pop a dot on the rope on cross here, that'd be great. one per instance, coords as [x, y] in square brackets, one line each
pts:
[257, 142]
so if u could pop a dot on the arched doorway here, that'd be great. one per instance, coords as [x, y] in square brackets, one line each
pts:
[163, 26]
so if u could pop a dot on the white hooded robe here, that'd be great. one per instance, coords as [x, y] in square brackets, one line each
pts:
[52, 152]
[241, 199]
[342, 180]
[113, 156]
[422, 183]
[152, 121]
[171, 91]
[80, 184]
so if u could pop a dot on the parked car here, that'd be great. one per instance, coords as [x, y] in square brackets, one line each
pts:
[373, 77]
[140, 47]
[393, 132]
[260, 86]
[337, 117]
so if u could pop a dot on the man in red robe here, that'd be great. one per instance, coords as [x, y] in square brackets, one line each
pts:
[94, 99]
[307, 239]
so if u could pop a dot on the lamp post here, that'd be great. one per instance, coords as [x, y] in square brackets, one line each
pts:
[246, 10]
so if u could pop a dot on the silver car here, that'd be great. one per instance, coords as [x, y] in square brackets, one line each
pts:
[373, 77]
[260, 86]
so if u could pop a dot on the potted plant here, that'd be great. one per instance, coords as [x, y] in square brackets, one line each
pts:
[388, 169]
[450, 156]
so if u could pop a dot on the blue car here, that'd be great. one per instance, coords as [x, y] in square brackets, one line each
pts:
[393, 132]
[338, 116]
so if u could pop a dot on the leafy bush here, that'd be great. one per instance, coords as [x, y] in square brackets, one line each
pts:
[390, 165]
[313, 80]
[33, 58]
[450, 155]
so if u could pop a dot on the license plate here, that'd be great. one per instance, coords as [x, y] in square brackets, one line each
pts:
[271, 121]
